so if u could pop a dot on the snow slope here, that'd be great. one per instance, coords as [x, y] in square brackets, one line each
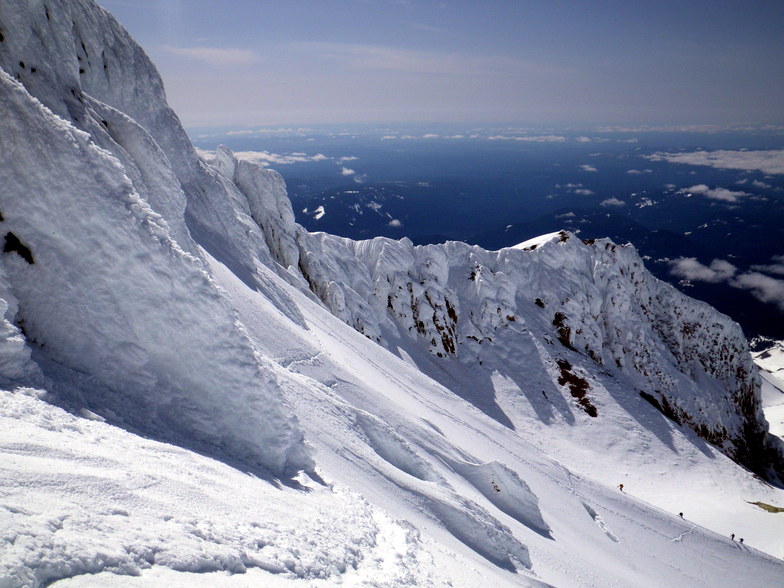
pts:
[195, 391]
[410, 495]
[568, 305]
[771, 365]
[102, 293]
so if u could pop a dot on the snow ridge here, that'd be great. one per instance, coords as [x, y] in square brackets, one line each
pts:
[101, 292]
[594, 298]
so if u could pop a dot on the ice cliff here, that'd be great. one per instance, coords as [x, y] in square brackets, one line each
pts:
[110, 220]
[103, 277]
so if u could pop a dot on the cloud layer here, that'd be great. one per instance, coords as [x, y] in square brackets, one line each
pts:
[762, 287]
[777, 267]
[688, 268]
[267, 158]
[769, 162]
[214, 55]
[716, 193]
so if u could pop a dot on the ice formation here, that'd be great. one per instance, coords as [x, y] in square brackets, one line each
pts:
[193, 385]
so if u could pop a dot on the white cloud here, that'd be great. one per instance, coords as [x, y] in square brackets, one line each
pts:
[267, 158]
[583, 139]
[345, 171]
[769, 162]
[530, 139]
[346, 158]
[762, 287]
[761, 185]
[716, 193]
[430, 136]
[543, 139]
[583, 192]
[569, 214]
[395, 223]
[383, 58]
[639, 171]
[205, 154]
[588, 168]
[266, 131]
[612, 202]
[723, 268]
[777, 267]
[690, 269]
[215, 55]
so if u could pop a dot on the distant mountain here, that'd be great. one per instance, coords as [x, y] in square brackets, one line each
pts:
[658, 247]
[593, 224]
[196, 390]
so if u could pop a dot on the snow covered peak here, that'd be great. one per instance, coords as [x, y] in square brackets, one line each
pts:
[103, 277]
[479, 438]
[588, 313]
[534, 242]
[78, 62]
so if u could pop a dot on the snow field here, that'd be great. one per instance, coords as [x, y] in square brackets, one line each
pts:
[419, 438]
[86, 497]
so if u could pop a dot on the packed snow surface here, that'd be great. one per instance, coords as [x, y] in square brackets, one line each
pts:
[196, 391]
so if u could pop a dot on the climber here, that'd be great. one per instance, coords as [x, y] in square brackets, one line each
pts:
[620, 486]
[740, 540]
[732, 536]
[680, 514]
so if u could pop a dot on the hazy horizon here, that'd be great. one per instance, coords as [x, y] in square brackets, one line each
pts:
[245, 63]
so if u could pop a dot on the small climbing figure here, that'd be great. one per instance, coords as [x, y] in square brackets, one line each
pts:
[620, 487]
[495, 486]
[680, 514]
[732, 536]
[740, 540]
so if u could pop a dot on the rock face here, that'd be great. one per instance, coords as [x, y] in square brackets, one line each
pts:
[109, 217]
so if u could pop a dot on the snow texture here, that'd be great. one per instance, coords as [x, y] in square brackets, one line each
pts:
[595, 299]
[102, 288]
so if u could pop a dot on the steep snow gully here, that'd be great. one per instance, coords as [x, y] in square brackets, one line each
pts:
[197, 391]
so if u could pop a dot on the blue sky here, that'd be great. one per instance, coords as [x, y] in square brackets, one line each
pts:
[549, 62]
